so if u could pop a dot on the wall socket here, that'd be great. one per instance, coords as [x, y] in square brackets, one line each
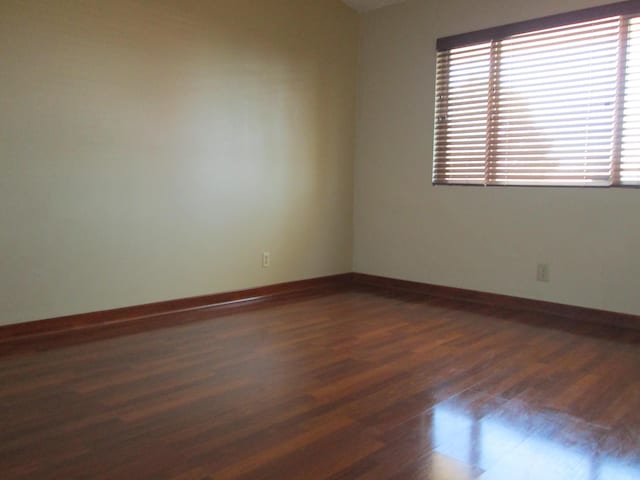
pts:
[266, 259]
[542, 273]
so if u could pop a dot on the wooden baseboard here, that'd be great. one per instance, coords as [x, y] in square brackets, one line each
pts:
[289, 289]
[139, 312]
[566, 311]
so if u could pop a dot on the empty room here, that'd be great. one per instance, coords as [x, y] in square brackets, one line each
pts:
[319, 239]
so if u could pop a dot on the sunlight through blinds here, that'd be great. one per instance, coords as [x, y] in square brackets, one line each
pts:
[559, 106]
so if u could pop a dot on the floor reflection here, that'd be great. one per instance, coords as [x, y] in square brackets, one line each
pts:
[513, 441]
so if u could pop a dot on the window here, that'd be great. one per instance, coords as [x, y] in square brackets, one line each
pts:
[554, 101]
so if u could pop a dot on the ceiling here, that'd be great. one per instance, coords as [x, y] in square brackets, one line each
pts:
[364, 5]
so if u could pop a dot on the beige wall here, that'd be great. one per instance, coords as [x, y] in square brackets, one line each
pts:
[486, 239]
[153, 150]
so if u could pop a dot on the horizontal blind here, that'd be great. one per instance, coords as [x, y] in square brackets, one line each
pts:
[630, 152]
[556, 106]
[461, 114]
[541, 108]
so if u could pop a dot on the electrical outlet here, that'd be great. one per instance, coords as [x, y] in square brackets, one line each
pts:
[266, 259]
[542, 274]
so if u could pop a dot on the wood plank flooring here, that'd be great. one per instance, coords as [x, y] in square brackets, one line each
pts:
[347, 385]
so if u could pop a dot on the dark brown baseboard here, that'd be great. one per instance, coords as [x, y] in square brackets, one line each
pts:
[571, 312]
[139, 312]
[290, 289]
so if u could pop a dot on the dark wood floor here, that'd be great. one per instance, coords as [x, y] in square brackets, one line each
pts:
[346, 385]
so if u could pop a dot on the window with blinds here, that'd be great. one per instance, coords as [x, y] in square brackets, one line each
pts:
[546, 102]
